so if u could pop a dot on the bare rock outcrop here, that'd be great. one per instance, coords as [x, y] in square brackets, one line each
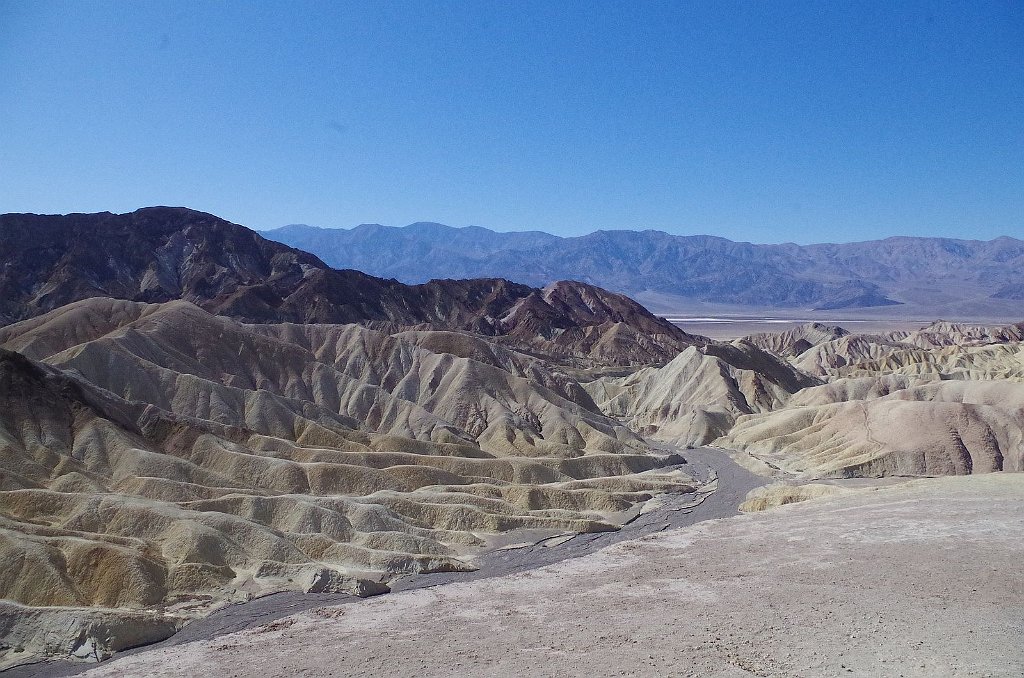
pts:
[158, 457]
[697, 397]
[942, 400]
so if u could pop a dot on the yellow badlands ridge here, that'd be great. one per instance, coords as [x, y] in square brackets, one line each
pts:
[157, 461]
[177, 460]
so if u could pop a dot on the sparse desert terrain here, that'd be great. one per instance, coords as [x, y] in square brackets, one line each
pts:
[914, 579]
[545, 479]
[717, 371]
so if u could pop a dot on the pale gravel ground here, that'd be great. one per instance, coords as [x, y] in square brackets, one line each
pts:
[919, 579]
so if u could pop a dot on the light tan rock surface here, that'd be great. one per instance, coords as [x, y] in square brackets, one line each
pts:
[781, 494]
[793, 342]
[915, 580]
[697, 397]
[886, 436]
[157, 461]
[947, 399]
[161, 458]
[952, 351]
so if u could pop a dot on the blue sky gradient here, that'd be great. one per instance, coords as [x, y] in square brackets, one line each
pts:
[760, 121]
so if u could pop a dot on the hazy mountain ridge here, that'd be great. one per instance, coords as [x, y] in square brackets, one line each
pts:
[899, 270]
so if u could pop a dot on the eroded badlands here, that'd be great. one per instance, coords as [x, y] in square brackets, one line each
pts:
[915, 579]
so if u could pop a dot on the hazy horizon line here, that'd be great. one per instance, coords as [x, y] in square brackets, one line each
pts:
[642, 230]
[807, 243]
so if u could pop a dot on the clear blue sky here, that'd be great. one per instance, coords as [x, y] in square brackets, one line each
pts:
[764, 121]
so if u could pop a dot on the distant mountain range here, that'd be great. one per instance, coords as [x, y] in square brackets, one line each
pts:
[935, 275]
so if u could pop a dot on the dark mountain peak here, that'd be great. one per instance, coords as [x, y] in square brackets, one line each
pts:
[587, 300]
[152, 254]
[160, 254]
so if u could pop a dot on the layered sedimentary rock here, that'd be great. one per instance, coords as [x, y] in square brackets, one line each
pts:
[697, 397]
[947, 399]
[797, 340]
[155, 456]
[191, 414]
